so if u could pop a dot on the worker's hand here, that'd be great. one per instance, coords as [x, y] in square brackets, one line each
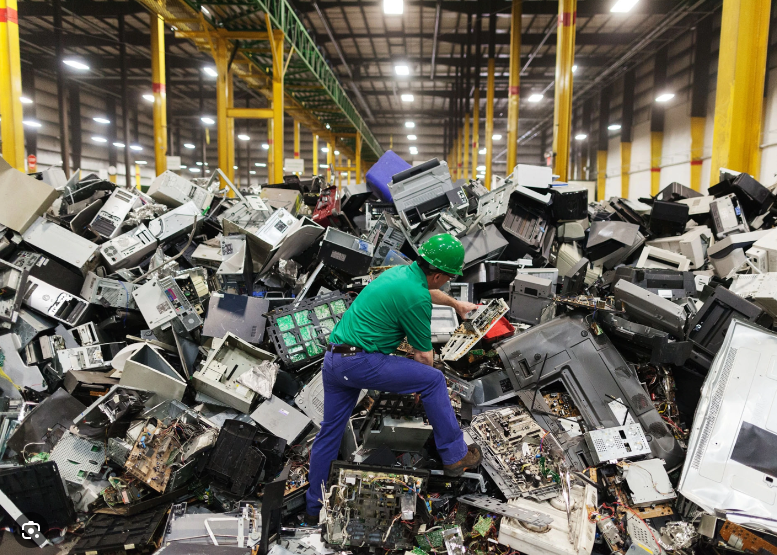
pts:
[417, 398]
[462, 308]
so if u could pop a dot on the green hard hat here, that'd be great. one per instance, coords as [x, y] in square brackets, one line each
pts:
[444, 252]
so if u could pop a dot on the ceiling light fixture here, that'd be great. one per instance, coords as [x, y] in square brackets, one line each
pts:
[535, 97]
[194, 170]
[623, 6]
[481, 168]
[252, 172]
[265, 146]
[104, 121]
[496, 137]
[482, 151]
[581, 137]
[25, 100]
[119, 145]
[190, 146]
[141, 162]
[614, 127]
[148, 97]
[207, 121]
[244, 137]
[32, 123]
[665, 97]
[402, 69]
[198, 163]
[325, 149]
[75, 64]
[261, 165]
[411, 137]
[323, 166]
[407, 98]
[337, 152]
[99, 139]
[210, 71]
[409, 124]
[136, 148]
[574, 69]
[205, 10]
[393, 7]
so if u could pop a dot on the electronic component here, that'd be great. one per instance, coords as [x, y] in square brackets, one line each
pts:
[421, 192]
[238, 314]
[175, 222]
[77, 457]
[229, 358]
[107, 222]
[161, 301]
[668, 218]
[364, 506]
[148, 369]
[235, 270]
[619, 442]
[93, 357]
[173, 190]
[345, 252]
[62, 244]
[106, 533]
[108, 292]
[727, 216]
[653, 257]
[650, 309]
[13, 281]
[300, 331]
[692, 244]
[384, 237]
[477, 324]
[281, 419]
[55, 303]
[530, 298]
[128, 249]
[570, 531]
[149, 459]
[310, 399]
[483, 244]
[444, 323]
[611, 242]
[648, 483]
[509, 439]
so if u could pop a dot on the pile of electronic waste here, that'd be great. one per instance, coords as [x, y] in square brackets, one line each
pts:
[161, 351]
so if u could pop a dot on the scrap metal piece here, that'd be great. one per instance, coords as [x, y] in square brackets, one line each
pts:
[77, 458]
[491, 505]
[477, 324]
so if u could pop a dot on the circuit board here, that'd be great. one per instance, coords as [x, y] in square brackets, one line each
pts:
[367, 506]
[748, 542]
[510, 439]
[152, 455]
[561, 405]
[473, 329]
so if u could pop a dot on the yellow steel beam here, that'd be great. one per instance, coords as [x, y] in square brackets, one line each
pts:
[348, 171]
[625, 168]
[11, 129]
[347, 168]
[250, 113]
[270, 157]
[277, 102]
[475, 131]
[460, 148]
[490, 121]
[513, 90]
[230, 170]
[330, 160]
[296, 139]
[158, 87]
[358, 169]
[656, 143]
[315, 155]
[339, 173]
[698, 126]
[231, 35]
[562, 109]
[739, 97]
[222, 102]
[601, 173]
[465, 172]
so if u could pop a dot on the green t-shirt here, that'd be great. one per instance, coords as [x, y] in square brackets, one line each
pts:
[396, 305]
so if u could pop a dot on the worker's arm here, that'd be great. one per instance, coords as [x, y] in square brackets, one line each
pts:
[438, 297]
[424, 357]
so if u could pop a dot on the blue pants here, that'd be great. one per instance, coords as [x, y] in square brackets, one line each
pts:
[345, 377]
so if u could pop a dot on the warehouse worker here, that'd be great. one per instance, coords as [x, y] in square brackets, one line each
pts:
[396, 305]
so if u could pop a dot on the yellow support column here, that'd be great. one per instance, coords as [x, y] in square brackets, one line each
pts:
[625, 168]
[231, 131]
[358, 178]
[475, 132]
[455, 159]
[562, 110]
[330, 160]
[222, 102]
[277, 106]
[461, 147]
[490, 120]
[11, 129]
[270, 158]
[739, 97]
[698, 126]
[601, 173]
[315, 155]
[465, 172]
[514, 86]
[348, 173]
[158, 87]
[656, 143]
[339, 172]
[296, 140]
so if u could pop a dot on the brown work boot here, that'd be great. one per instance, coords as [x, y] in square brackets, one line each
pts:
[470, 460]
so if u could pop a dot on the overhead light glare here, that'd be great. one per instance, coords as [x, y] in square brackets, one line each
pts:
[393, 7]
[195, 170]
[666, 97]
[581, 137]
[244, 137]
[198, 163]
[337, 153]
[262, 165]
[411, 137]
[535, 97]
[623, 6]
[210, 71]
[119, 145]
[32, 123]
[104, 121]
[482, 151]
[402, 69]
[252, 172]
[207, 121]
[407, 98]
[205, 10]
[327, 126]
[481, 168]
[323, 166]
[574, 69]
[614, 127]
[148, 97]
[141, 162]
[136, 148]
[234, 167]
[325, 149]
[190, 146]
[409, 124]
[25, 100]
[496, 137]
[99, 139]
[75, 64]
[265, 146]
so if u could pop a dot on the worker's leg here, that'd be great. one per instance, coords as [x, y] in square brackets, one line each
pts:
[339, 401]
[402, 375]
